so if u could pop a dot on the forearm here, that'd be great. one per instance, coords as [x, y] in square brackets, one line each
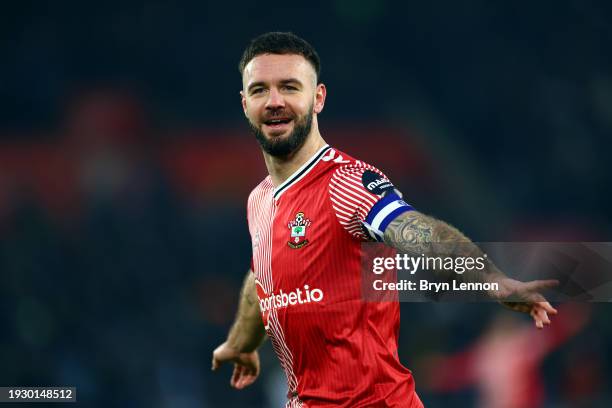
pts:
[247, 332]
[416, 234]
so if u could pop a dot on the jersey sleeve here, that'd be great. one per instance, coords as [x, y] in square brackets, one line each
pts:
[365, 201]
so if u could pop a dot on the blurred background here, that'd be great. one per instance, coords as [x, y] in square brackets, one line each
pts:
[126, 162]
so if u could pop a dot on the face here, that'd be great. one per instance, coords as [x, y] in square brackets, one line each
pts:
[280, 98]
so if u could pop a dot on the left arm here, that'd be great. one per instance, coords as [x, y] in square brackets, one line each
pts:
[415, 233]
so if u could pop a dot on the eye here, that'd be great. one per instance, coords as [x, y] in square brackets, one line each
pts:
[290, 88]
[255, 91]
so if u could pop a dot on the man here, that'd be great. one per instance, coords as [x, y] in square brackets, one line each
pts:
[307, 221]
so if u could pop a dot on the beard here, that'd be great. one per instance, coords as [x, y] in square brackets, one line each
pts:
[285, 146]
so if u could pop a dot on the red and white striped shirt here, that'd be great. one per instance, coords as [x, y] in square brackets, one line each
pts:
[336, 349]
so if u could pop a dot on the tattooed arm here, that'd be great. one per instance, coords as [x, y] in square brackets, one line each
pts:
[414, 233]
[245, 336]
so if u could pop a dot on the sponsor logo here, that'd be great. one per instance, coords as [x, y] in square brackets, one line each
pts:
[280, 300]
[297, 228]
[371, 186]
[375, 183]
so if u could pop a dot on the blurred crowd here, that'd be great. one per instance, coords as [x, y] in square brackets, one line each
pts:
[125, 165]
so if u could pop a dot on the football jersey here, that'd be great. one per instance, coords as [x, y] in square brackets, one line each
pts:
[336, 349]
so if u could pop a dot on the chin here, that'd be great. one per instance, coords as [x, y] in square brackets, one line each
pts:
[274, 136]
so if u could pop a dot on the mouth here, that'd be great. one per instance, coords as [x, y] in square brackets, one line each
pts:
[278, 123]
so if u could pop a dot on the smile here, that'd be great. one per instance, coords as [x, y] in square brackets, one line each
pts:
[277, 123]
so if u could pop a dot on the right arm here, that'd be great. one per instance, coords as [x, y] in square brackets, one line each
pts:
[245, 336]
[247, 332]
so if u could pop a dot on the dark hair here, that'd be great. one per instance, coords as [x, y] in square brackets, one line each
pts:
[280, 43]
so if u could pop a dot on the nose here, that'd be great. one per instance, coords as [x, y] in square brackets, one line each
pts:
[275, 100]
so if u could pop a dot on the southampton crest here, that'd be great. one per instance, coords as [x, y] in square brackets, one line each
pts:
[298, 228]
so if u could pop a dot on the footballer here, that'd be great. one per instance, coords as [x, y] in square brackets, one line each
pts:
[307, 221]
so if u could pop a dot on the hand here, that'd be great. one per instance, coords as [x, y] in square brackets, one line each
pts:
[526, 298]
[246, 365]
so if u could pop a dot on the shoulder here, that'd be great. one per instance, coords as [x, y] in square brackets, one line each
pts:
[349, 170]
[343, 162]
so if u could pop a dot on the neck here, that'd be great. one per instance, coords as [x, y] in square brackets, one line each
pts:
[280, 168]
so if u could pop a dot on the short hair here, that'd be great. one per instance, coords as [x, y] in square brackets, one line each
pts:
[280, 43]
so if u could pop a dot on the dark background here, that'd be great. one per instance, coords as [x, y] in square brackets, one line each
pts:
[125, 164]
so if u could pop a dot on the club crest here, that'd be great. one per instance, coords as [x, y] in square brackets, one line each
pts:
[298, 227]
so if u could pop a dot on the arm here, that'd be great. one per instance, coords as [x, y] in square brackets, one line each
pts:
[245, 336]
[415, 234]
[247, 332]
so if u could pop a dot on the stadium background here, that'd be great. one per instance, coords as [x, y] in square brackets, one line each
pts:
[125, 163]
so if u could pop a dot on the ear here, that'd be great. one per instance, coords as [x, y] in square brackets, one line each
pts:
[243, 101]
[320, 94]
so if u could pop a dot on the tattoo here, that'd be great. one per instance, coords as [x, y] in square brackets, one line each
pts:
[410, 233]
[416, 234]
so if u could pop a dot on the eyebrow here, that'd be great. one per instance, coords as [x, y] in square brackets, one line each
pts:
[291, 81]
[282, 82]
